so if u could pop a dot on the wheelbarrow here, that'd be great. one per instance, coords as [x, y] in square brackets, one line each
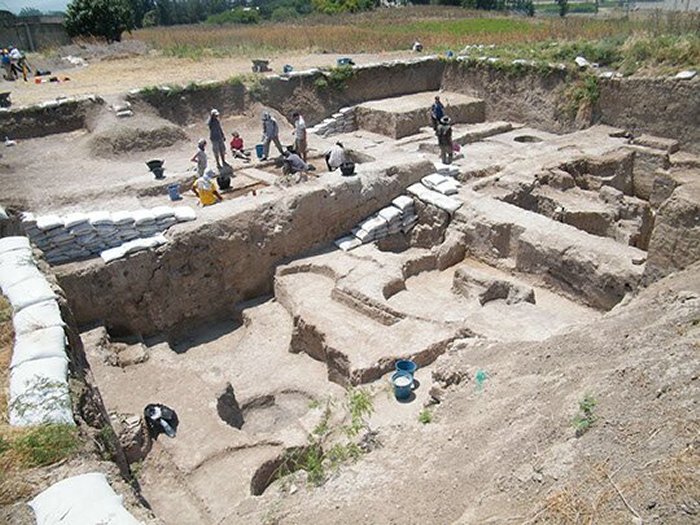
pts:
[261, 66]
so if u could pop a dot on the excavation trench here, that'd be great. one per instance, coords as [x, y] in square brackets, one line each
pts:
[545, 232]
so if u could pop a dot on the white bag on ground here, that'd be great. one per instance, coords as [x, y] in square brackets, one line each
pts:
[183, 214]
[403, 202]
[37, 316]
[39, 344]
[16, 267]
[81, 500]
[39, 393]
[29, 292]
[9, 244]
[49, 222]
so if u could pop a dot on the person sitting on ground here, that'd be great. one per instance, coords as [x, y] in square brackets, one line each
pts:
[237, 147]
[437, 111]
[293, 163]
[200, 157]
[300, 135]
[417, 47]
[335, 156]
[206, 189]
[271, 131]
[218, 138]
[444, 135]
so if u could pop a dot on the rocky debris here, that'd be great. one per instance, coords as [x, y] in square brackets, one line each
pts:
[291, 179]
[123, 354]
[133, 436]
[466, 279]
[449, 372]
[437, 394]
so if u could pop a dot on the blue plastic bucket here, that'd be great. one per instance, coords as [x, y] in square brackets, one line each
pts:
[344, 61]
[406, 366]
[287, 68]
[403, 384]
[174, 192]
[259, 150]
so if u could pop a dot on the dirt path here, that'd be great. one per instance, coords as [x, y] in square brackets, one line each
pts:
[111, 77]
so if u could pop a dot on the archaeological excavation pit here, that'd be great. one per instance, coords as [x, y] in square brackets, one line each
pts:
[254, 316]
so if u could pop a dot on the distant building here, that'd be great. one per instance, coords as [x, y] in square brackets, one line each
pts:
[32, 33]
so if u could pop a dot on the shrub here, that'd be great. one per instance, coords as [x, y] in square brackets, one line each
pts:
[283, 13]
[46, 444]
[585, 418]
[239, 15]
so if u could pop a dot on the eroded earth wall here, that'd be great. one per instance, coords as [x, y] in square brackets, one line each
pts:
[228, 255]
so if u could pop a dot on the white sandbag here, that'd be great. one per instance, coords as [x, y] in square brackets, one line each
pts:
[100, 217]
[162, 212]
[433, 180]
[372, 224]
[28, 219]
[49, 222]
[363, 235]
[448, 187]
[29, 292]
[390, 214]
[142, 217]
[73, 220]
[122, 217]
[39, 344]
[113, 253]
[183, 214]
[449, 204]
[347, 243]
[39, 393]
[11, 275]
[79, 500]
[10, 244]
[417, 189]
[402, 202]
[37, 316]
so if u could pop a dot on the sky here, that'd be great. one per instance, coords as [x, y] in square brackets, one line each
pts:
[43, 5]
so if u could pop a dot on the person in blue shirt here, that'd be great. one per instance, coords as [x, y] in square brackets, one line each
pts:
[437, 111]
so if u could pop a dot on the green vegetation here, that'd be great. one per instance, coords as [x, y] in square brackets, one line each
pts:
[44, 445]
[106, 19]
[335, 78]
[239, 15]
[556, 8]
[585, 418]
[425, 416]
[585, 92]
[329, 446]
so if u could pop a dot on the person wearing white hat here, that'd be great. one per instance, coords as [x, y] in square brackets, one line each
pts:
[206, 190]
[218, 138]
[271, 132]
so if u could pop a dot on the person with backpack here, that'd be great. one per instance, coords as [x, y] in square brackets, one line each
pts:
[444, 136]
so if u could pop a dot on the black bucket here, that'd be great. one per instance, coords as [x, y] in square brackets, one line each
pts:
[347, 169]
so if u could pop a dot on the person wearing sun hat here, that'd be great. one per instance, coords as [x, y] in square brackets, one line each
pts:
[218, 138]
[206, 190]
[444, 136]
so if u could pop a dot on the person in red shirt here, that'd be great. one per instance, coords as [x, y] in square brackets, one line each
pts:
[237, 148]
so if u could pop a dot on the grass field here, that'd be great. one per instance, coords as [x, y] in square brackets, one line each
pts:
[657, 43]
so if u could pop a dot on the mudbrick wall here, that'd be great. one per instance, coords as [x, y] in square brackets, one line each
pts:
[210, 266]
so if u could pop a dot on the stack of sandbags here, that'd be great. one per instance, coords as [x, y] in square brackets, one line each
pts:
[449, 204]
[408, 212]
[344, 121]
[79, 236]
[441, 183]
[145, 223]
[399, 217]
[449, 170]
[124, 221]
[39, 366]
[165, 217]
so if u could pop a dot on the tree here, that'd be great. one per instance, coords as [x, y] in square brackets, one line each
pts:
[106, 19]
[30, 11]
[563, 7]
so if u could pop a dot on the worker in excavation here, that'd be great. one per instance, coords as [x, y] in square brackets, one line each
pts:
[437, 111]
[218, 138]
[336, 156]
[200, 157]
[444, 136]
[206, 190]
[293, 163]
[271, 132]
[300, 145]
